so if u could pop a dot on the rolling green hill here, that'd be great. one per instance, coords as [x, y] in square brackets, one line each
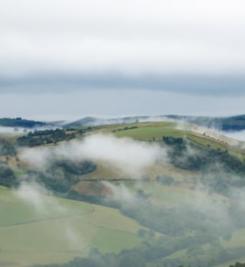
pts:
[180, 213]
[61, 231]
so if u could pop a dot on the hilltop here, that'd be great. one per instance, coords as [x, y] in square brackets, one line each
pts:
[232, 123]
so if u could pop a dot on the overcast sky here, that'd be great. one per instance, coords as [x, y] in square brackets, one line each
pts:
[70, 58]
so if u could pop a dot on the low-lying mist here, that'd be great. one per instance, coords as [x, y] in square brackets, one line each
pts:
[199, 211]
[43, 206]
[126, 155]
[36, 195]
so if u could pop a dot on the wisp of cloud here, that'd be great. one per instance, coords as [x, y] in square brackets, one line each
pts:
[128, 156]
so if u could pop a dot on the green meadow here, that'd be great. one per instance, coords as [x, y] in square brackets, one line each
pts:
[60, 231]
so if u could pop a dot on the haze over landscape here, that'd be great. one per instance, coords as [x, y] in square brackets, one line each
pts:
[122, 133]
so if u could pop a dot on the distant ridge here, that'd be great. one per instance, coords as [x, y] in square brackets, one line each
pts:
[28, 124]
[232, 123]
[19, 122]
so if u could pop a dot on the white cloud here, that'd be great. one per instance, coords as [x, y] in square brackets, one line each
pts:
[125, 155]
[122, 35]
[45, 205]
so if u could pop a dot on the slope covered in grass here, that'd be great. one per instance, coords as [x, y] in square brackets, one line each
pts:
[58, 230]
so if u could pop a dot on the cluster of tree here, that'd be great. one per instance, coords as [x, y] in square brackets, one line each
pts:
[61, 175]
[187, 155]
[125, 128]
[19, 122]
[38, 138]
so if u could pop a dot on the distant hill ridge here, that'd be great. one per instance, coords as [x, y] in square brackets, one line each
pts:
[19, 122]
[232, 123]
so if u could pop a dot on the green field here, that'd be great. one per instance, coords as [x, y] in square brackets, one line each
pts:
[43, 229]
[154, 131]
[59, 233]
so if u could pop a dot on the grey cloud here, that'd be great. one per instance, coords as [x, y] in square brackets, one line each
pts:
[63, 82]
[89, 48]
[107, 103]
[130, 37]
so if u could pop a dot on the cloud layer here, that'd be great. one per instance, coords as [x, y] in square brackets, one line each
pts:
[114, 103]
[100, 49]
[124, 37]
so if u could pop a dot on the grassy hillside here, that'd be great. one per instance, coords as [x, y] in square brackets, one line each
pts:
[61, 231]
[233, 123]
[155, 131]
[175, 214]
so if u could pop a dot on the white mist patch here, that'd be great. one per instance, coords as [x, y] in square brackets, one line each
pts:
[238, 199]
[46, 207]
[38, 157]
[130, 157]
[32, 194]
[213, 206]
[39, 198]
[238, 135]
[73, 237]
[230, 138]
[121, 193]
[126, 155]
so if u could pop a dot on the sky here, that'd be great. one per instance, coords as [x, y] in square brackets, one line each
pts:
[65, 59]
